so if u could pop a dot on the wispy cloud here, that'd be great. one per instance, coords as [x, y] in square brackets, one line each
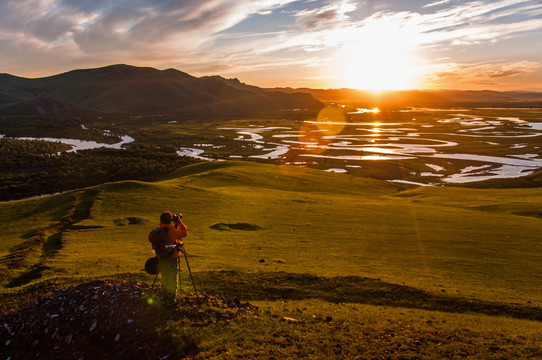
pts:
[436, 3]
[492, 75]
[488, 71]
[203, 36]
[131, 30]
[323, 17]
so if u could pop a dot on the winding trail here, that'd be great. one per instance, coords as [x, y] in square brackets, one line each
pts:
[49, 238]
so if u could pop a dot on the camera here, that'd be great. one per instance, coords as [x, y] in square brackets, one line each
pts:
[177, 217]
[170, 248]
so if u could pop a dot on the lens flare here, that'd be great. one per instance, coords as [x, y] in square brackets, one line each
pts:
[150, 301]
[315, 136]
[331, 120]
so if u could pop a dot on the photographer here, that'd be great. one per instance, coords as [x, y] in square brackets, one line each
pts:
[168, 252]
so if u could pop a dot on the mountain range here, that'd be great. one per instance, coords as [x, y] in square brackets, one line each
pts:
[125, 89]
[424, 98]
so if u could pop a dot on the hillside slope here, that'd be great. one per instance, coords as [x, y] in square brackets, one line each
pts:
[255, 217]
[334, 266]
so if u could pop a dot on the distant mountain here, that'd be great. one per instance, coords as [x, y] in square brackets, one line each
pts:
[424, 97]
[125, 89]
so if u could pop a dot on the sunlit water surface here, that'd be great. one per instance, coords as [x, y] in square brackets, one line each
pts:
[446, 145]
[361, 143]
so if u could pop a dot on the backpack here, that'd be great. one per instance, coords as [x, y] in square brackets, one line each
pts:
[158, 238]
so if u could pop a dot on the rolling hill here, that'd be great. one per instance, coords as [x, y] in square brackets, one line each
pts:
[334, 266]
[424, 98]
[128, 89]
[298, 220]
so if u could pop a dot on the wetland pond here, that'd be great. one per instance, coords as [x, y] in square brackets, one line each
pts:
[419, 146]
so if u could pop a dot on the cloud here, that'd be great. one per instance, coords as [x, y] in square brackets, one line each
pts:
[329, 14]
[452, 29]
[202, 36]
[480, 72]
[131, 30]
[436, 3]
[174, 25]
[472, 23]
[468, 23]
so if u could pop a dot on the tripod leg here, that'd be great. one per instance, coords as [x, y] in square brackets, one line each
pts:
[190, 272]
[154, 282]
[179, 280]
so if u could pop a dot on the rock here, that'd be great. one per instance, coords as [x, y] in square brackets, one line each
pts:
[290, 320]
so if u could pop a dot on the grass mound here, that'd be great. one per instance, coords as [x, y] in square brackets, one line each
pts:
[130, 221]
[298, 317]
[236, 226]
[110, 319]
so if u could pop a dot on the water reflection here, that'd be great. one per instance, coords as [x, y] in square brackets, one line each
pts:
[194, 153]
[362, 142]
[451, 144]
[77, 144]
[365, 111]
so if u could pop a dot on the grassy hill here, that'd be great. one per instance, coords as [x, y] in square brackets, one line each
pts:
[124, 89]
[271, 234]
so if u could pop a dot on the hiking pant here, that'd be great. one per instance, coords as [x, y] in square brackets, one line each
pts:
[168, 268]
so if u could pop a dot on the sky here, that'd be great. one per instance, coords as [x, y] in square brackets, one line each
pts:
[375, 45]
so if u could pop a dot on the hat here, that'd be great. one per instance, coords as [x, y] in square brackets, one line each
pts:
[166, 217]
[151, 266]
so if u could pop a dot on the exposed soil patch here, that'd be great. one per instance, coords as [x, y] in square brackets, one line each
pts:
[17, 258]
[535, 214]
[236, 226]
[108, 320]
[130, 221]
[85, 227]
[33, 273]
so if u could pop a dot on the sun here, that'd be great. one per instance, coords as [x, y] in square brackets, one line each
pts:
[380, 58]
[376, 68]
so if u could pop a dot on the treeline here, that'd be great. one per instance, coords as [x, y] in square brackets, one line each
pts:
[12, 148]
[31, 168]
[56, 127]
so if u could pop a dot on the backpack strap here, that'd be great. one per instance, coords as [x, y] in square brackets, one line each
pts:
[164, 237]
[162, 234]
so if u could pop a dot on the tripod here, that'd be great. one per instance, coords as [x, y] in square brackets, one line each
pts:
[179, 274]
[189, 272]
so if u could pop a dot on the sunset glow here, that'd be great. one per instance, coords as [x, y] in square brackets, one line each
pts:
[286, 43]
[381, 58]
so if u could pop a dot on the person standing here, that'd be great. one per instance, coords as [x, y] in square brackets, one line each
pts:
[167, 250]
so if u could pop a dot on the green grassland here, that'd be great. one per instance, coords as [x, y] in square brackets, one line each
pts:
[401, 261]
